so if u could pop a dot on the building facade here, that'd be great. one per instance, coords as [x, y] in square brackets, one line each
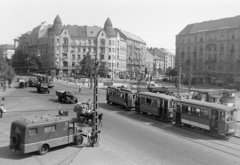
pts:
[149, 63]
[7, 51]
[210, 51]
[61, 48]
[136, 53]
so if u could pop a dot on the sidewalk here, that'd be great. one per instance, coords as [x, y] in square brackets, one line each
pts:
[100, 156]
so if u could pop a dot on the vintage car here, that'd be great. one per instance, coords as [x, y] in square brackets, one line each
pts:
[42, 87]
[66, 96]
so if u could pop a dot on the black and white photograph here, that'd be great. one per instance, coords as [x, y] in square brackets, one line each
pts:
[120, 82]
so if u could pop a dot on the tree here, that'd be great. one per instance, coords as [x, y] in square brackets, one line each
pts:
[86, 66]
[103, 69]
[6, 72]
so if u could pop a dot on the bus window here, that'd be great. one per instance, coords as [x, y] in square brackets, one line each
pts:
[142, 100]
[148, 101]
[204, 113]
[222, 116]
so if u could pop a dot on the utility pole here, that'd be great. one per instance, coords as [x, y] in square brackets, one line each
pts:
[190, 77]
[96, 132]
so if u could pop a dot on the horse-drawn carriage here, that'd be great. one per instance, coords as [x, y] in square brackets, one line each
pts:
[84, 111]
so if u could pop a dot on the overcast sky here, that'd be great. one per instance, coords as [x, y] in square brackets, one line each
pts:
[157, 22]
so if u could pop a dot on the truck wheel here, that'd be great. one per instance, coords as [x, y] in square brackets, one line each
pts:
[59, 98]
[43, 149]
[78, 139]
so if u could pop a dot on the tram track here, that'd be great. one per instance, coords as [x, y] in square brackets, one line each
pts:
[216, 144]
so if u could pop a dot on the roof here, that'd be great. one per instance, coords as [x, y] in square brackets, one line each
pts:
[7, 46]
[57, 25]
[83, 31]
[224, 23]
[109, 29]
[206, 104]
[40, 119]
[131, 36]
[162, 96]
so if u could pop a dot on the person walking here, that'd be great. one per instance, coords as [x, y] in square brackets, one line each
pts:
[80, 87]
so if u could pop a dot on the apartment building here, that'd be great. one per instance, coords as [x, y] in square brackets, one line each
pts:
[61, 48]
[7, 51]
[136, 53]
[210, 50]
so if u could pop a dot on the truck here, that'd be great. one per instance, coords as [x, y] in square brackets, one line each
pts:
[43, 132]
[66, 96]
[42, 87]
[84, 111]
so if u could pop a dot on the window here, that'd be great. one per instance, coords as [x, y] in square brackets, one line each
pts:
[155, 103]
[109, 49]
[109, 42]
[148, 101]
[57, 48]
[222, 116]
[33, 131]
[57, 40]
[142, 100]
[53, 40]
[109, 57]
[50, 129]
[204, 113]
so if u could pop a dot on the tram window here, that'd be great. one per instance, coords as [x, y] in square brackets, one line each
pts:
[155, 103]
[231, 116]
[204, 113]
[195, 111]
[148, 101]
[222, 116]
[142, 100]
[133, 97]
[185, 109]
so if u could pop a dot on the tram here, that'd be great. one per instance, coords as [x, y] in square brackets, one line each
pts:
[215, 118]
[121, 96]
[159, 105]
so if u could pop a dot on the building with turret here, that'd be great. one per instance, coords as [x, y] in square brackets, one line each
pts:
[62, 47]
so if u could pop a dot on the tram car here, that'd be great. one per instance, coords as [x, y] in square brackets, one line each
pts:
[211, 117]
[121, 96]
[158, 105]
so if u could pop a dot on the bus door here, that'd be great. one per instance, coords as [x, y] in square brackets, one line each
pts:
[71, 130]
[214, 121]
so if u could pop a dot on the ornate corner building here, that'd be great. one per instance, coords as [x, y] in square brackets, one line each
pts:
[210, 51]
[61, 48]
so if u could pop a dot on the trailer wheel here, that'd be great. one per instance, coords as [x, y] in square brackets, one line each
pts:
[43, 149]
[15, 140]
[78, 139]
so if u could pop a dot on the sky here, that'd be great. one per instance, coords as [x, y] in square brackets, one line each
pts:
[157, 22]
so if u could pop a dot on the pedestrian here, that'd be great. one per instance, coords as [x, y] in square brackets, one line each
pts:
[80, 87]
[100, 119]
[2, 110]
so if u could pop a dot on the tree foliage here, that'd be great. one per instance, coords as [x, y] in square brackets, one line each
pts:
[6, 71]
[87, 66]
[103, 69]
[25, 61]
[171, 72]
